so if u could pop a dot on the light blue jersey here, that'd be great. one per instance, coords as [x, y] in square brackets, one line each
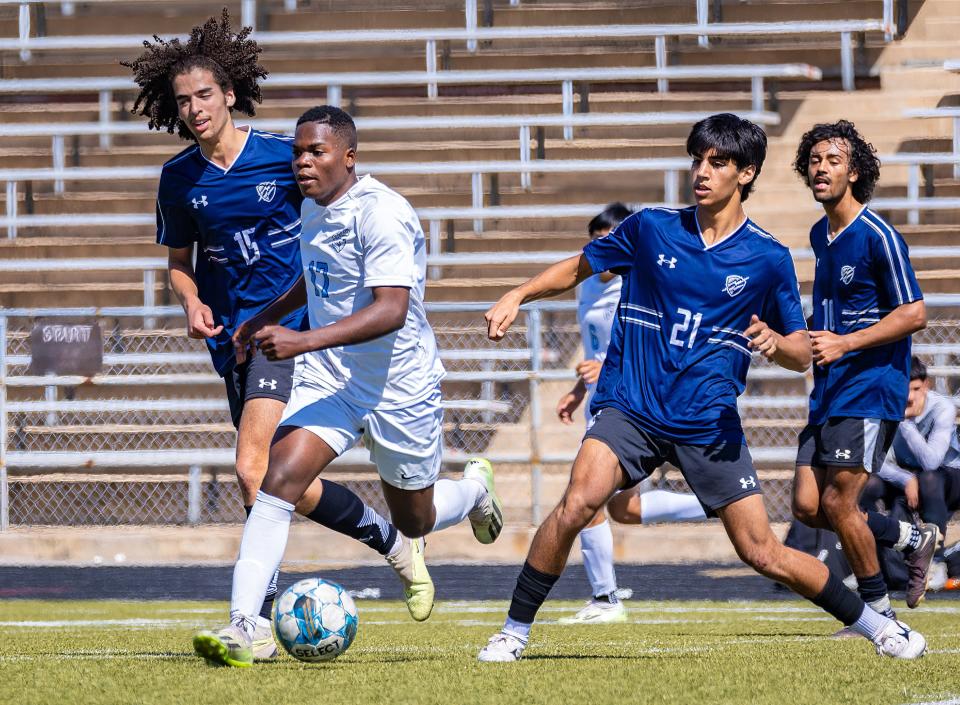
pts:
[678, 358]
[245, 221]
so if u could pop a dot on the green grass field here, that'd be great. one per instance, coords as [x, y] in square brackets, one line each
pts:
[677, 652]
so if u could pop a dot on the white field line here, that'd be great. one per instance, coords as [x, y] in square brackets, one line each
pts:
[951, 701]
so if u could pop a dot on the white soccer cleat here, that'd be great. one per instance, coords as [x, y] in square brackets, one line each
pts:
[229, 646]
[264, 646]
[487, 518]
[502, 648]
[598, 612]
[411, 568]
[900, 641]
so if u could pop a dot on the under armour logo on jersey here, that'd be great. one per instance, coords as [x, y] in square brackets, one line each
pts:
[672, 262]
[266, 190]
[734, 284]
[842, 454]
[264, 384]
[201, 202]
[748, 482]
[846, 273]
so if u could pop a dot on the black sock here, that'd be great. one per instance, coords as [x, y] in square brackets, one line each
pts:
[529, 594]
[871, 588]
[344, 512]
[885, 529]
[266, 609]
[838, 601]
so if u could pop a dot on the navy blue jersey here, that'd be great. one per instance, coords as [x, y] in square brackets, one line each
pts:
[861, 276]
[678, 358]
[245, 221]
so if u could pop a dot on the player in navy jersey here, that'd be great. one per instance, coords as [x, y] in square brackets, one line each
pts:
[866, 303]
[231, 200]
[703, 289]
[598, 299]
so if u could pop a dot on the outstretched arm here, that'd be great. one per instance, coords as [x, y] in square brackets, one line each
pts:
[556, 279]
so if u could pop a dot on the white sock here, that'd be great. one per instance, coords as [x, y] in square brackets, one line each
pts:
[596, 544]
[871, 624]
[517, 629]
[262, 547]
[660, 505]
[454, 500]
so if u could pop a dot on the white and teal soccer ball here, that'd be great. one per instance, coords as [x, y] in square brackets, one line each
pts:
[315, 620]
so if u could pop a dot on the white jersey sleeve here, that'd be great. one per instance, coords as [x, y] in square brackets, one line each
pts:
[388, 243]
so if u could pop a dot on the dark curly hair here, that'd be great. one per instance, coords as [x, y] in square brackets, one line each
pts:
[863, 157]
[231, 58]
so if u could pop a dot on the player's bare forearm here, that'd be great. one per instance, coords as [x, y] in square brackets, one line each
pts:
[387, 313]
[556, 279]
[898, 324]
[289, 301]
[829, 347]
[183, 279]
[793, 351]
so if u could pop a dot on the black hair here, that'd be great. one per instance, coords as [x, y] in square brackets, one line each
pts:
[730, 137]
[231, 58]
[339, 121]
[917, 369]
[863, 156]
[609, 218]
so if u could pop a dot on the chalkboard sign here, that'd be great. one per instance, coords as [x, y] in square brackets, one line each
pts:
[66, 349]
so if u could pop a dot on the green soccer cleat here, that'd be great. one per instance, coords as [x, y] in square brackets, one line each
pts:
[263, 644]
[487, 518]
[230, 646]
[410, 567]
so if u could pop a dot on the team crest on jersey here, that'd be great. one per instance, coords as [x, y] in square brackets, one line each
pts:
[846, 273]
[266, 190]
[339, 239]
[734, 284]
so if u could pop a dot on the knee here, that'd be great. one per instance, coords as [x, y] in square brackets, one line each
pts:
[762, 556]
[413, 527]
[806, 511]
[574, 512]
[835, 504]
[619, 509]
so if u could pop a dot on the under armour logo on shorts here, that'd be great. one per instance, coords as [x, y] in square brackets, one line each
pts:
[264, 384]
[842, 454]
[748, 482]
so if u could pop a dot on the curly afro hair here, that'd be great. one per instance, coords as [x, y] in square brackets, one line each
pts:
[863, 157]
[231, 58]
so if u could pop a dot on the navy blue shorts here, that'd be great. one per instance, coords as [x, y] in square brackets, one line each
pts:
[257, 378]
[718, 474]
[846, 442]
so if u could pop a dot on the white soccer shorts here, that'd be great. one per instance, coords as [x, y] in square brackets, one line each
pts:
[405, 444]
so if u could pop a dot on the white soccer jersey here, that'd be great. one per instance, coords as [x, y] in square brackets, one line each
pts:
[369, 237]
[597, 303]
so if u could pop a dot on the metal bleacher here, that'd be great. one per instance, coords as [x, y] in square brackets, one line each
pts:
[505, 138]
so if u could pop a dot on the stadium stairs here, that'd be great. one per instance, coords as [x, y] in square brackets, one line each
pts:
[890, 77]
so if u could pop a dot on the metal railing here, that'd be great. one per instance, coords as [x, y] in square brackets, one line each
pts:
[544, 341]
[671, 167]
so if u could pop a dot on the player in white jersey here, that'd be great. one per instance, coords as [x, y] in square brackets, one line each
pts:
[597, 300]
[367, 368]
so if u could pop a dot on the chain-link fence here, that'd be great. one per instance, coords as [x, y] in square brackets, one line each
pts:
[98, 452]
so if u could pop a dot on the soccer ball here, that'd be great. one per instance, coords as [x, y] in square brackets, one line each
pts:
[315, 620]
